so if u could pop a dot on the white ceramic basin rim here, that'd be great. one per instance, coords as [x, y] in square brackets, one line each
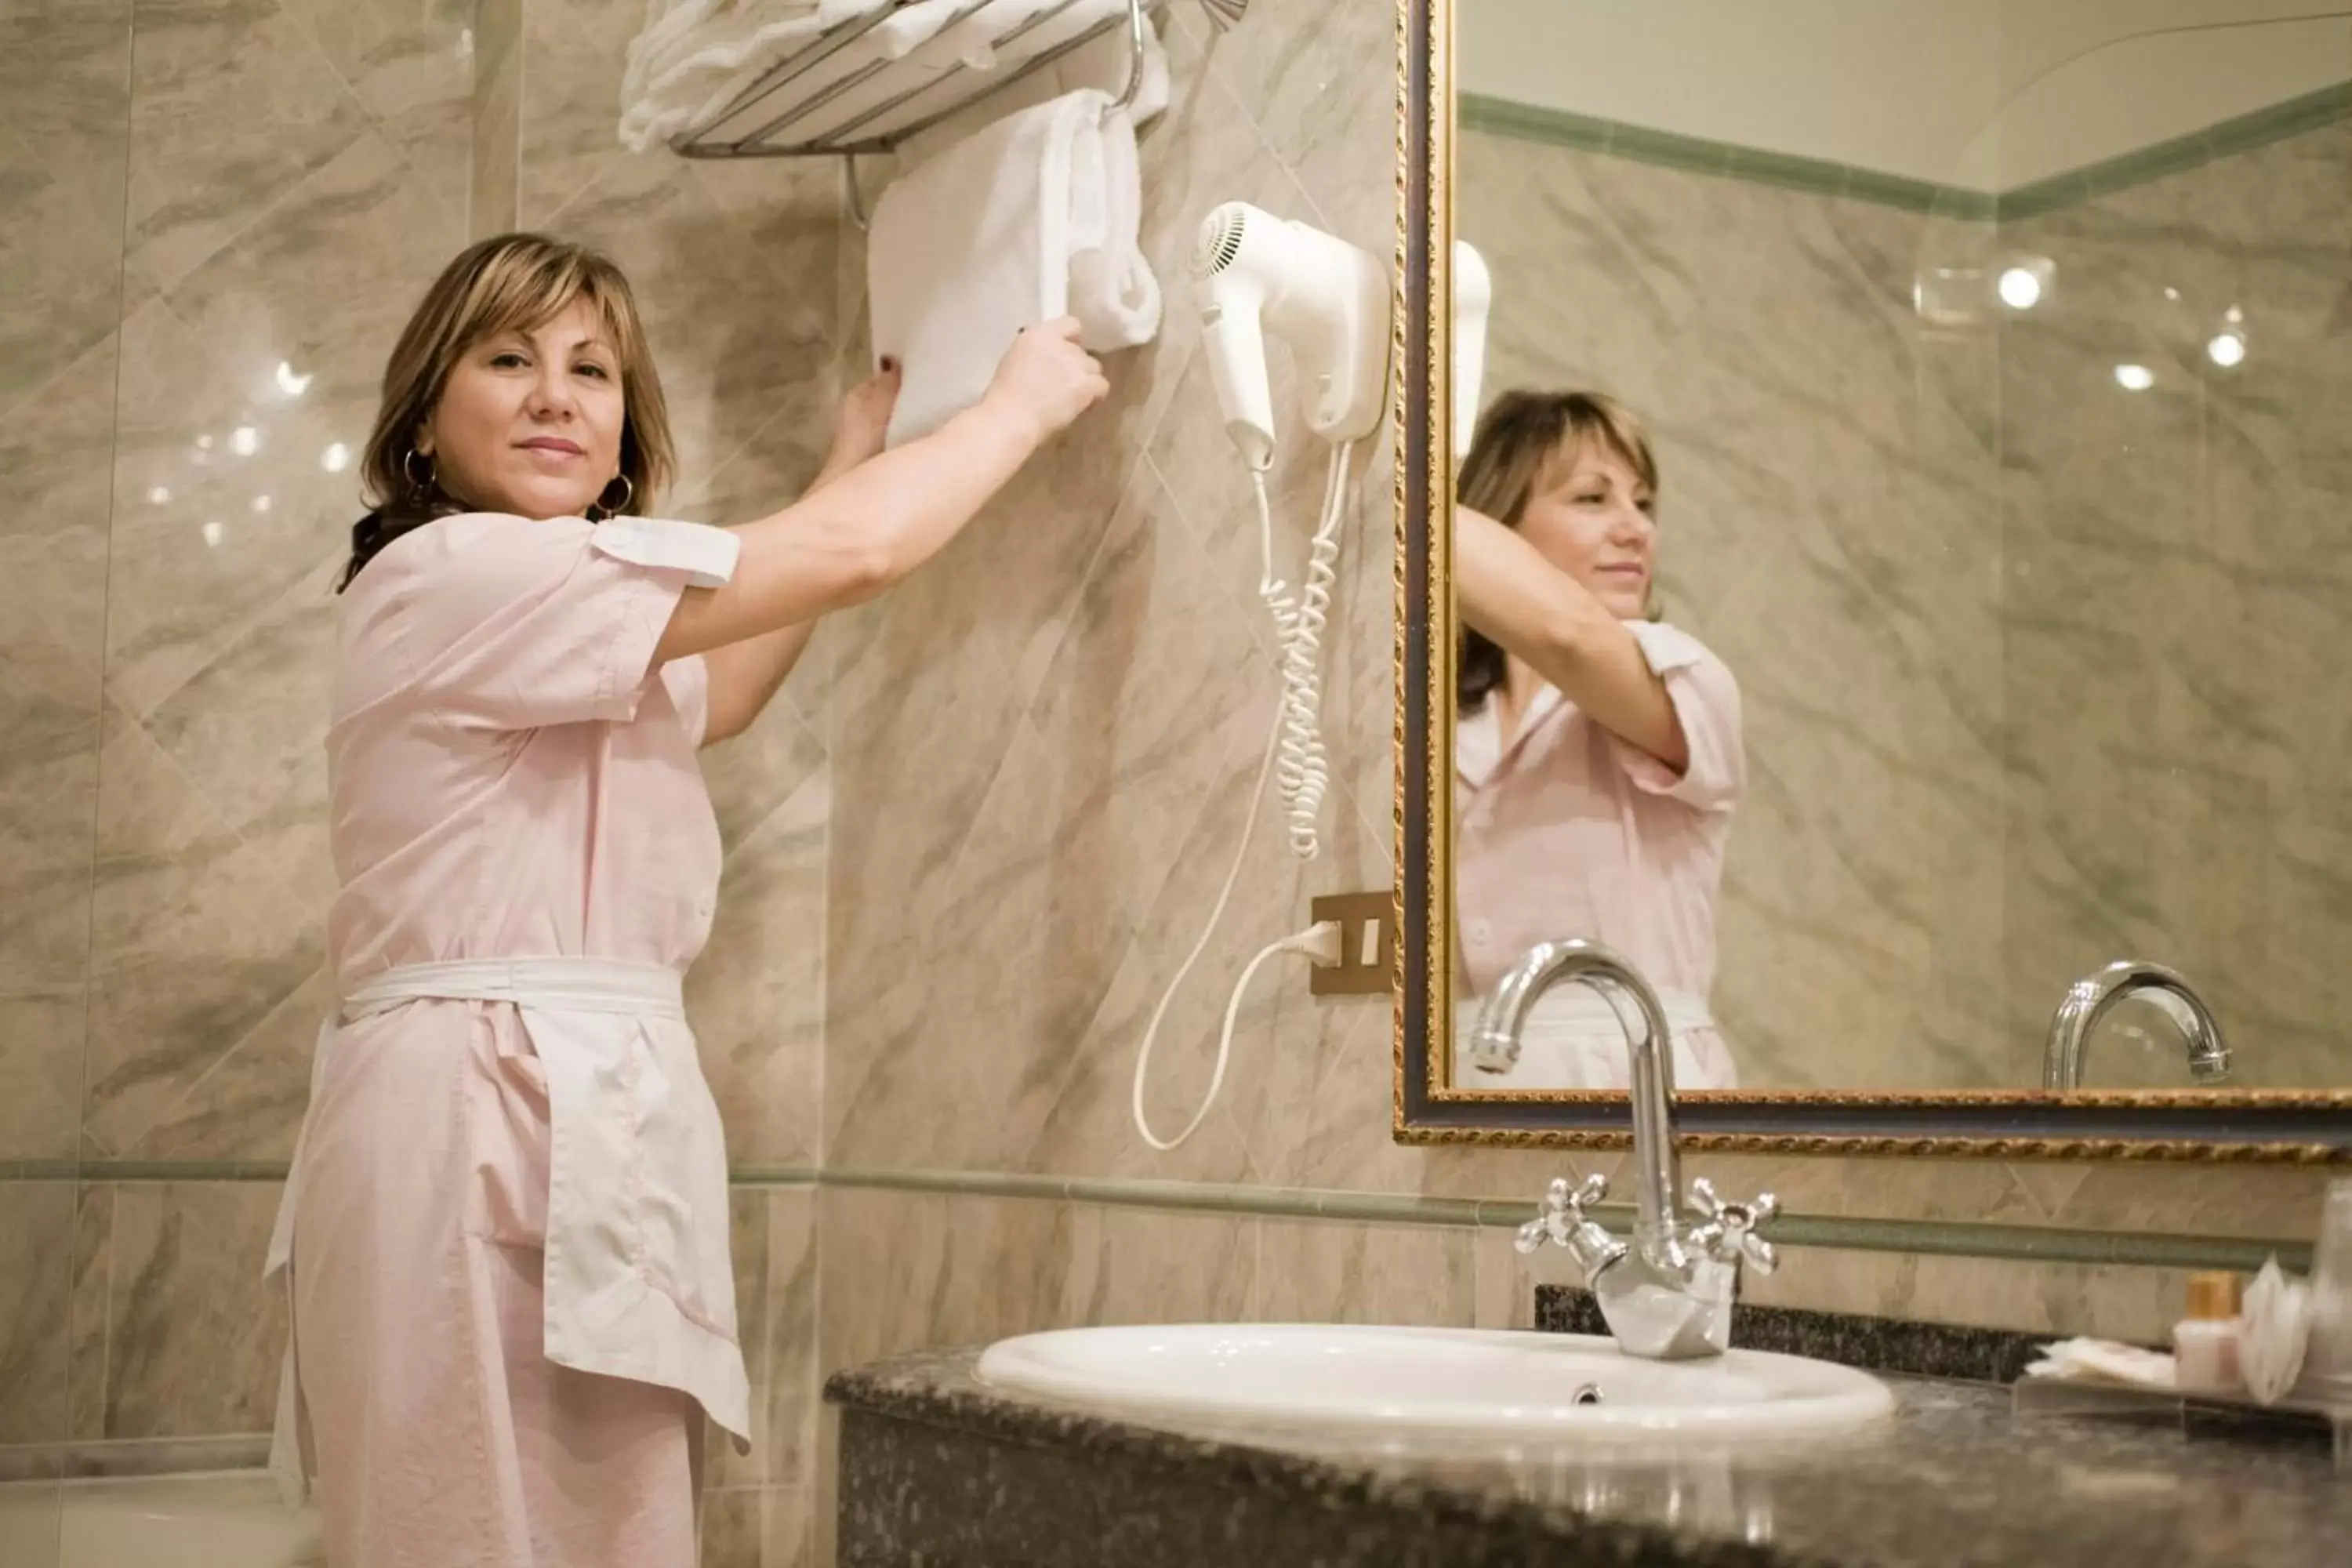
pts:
[1402, 1380]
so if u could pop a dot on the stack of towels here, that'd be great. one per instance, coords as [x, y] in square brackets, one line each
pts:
[694, 57]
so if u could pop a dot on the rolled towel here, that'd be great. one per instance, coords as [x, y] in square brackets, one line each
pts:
[2276, 1328]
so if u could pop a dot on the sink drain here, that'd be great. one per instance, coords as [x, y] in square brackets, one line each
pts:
[1588, 1395]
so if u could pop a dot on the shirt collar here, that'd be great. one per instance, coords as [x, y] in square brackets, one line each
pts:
[1479, 750]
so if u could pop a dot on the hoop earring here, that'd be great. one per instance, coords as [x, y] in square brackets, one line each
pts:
[628, 494]
[417, 488]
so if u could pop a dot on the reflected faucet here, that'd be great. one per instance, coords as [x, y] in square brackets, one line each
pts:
[2088, 999]
[1668, 1296]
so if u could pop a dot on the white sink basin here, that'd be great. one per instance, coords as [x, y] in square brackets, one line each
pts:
[1401, 1380]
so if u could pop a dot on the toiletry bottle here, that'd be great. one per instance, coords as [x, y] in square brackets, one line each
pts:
[2205, 1341]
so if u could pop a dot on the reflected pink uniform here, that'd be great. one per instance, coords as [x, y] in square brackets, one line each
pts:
[1569, 831]
[508, 1218]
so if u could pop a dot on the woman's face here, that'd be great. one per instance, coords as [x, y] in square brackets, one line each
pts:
[1590, 517]
[531, 421]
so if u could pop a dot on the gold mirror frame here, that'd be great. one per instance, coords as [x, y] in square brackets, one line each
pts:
[2311, 1126]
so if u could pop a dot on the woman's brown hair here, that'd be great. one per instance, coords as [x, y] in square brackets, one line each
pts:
[1518, 437]
[512, 283]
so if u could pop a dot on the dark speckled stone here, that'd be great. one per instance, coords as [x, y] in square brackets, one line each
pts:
[940, 1471]
[1876, 1344]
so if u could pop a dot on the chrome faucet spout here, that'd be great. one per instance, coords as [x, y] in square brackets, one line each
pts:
[1668, 1296]
[1503, 1019]
[2088, 999]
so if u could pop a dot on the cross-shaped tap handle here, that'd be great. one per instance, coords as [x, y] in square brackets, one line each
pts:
[1562, 1212]
[1729, 1234]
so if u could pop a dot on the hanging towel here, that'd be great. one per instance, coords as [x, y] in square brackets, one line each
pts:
[694, 56]
[1034, 218]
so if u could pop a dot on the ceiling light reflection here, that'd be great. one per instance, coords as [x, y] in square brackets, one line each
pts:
[2020, 288]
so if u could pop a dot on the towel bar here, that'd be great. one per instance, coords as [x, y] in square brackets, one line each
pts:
[723, 137]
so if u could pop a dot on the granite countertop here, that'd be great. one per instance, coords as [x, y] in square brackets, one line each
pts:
[1952, 1480]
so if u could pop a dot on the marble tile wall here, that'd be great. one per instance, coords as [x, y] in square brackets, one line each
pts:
[225, 211]
[1829, 525]
[136, 1310]
[2177, 576]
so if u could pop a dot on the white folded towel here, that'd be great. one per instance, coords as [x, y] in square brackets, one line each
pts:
[694, 56]
[975, 39]
[851, 97]
[854, 85]
[2277, 1332]
[991, 40]
[675, 29]
[1030, 218]
[692, 59]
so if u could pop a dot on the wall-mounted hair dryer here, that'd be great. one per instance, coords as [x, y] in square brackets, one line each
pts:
[1474, 297]
[1256, 274]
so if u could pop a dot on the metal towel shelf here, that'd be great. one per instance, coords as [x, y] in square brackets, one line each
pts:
[771, 139]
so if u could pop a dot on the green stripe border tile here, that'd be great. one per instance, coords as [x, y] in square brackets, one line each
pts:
[2029, 1243]
[1694, 154]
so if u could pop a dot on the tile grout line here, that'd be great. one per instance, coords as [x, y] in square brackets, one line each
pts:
[106, 1343]
[82, 1136]
[383, 129]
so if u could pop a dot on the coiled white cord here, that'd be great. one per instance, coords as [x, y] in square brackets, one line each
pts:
[1304, 770]
[1296, 744]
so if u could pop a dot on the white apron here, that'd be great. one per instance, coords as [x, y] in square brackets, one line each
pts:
[636, 1179]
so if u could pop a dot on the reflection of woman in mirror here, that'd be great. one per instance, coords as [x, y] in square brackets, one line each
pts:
[1597, 750]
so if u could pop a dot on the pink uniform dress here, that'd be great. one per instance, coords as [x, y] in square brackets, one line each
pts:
[1569, 831]
[506, 1217]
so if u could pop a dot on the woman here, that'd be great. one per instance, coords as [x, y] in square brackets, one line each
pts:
[1597, 750]
[507, 1219]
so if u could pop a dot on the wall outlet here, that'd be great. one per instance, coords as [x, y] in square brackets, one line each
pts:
[1368, 944]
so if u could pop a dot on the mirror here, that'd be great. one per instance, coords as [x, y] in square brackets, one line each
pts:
[1900, 563]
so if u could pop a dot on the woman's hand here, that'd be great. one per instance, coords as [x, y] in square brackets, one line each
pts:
[1045, 380]
[848, 539]
[864, 425]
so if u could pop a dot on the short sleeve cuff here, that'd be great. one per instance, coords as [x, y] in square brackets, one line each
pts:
[706, 555]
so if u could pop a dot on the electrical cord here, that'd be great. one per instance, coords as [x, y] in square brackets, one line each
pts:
[1303, 768]
[1295, 755]
[1319, 942]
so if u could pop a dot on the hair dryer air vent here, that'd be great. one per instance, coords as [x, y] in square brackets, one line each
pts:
[1220, 239]
[1256, 277]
